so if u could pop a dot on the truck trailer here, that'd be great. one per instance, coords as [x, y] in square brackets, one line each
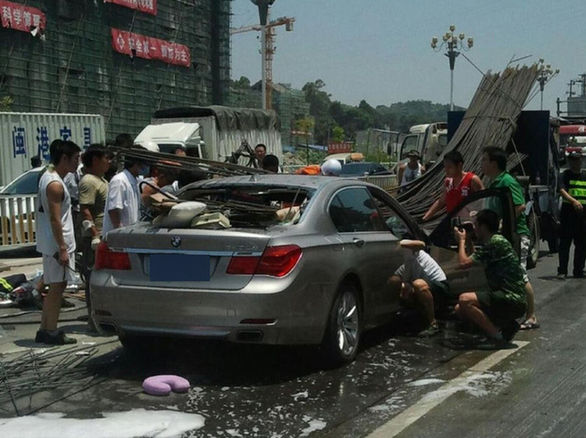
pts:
[213, 133]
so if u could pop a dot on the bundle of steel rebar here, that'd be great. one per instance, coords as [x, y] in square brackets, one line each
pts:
[33, 372]
[489, 121]
[208, 167]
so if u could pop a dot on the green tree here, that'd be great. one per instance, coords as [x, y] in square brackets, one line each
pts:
[319, 105]
[242, 83]
[337, 134]
[306, 125]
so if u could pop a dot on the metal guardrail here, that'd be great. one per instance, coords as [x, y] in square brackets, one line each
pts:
[17, 221]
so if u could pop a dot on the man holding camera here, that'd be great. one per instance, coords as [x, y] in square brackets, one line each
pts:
[495, 309]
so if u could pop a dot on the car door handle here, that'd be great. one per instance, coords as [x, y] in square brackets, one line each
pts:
[358, 242]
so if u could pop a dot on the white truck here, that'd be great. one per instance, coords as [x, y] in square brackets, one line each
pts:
[25, 135]
[213, 133]
[428, 139]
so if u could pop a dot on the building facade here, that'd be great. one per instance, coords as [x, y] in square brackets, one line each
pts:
[123, 59]
[288, 103]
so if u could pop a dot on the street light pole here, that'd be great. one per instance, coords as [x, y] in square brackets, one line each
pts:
[545, 75]
[453, 45]
[263, 12]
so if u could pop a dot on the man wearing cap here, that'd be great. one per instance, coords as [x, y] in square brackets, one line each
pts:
[412, 170]
[572, 217]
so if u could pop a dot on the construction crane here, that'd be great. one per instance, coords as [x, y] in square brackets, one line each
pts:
[268, 35]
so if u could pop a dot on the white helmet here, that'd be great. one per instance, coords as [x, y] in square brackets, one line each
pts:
[332, 167]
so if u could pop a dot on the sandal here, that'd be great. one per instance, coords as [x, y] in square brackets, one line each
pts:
[528, 325]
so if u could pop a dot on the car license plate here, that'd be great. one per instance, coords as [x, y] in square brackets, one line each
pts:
[179, 267]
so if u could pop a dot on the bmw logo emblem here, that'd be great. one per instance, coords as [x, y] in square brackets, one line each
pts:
[176, 241]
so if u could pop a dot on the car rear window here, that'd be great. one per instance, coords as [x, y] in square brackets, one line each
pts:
[257, 206]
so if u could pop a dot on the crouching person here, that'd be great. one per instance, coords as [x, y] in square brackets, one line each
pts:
[422, 282]
[496, 309]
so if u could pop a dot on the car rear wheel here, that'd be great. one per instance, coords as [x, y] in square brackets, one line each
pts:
[344, 327]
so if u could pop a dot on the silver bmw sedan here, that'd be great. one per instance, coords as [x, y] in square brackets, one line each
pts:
[294, 260]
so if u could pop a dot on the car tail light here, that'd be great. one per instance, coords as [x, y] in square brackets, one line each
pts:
[276, 261]
[243, 265]
[108, 259]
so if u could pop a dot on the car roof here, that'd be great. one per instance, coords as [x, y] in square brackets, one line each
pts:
[303, 181]
[362, 163]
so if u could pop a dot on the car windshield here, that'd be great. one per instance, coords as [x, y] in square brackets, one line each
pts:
[25, 184]
[359, 169]
[256, 206]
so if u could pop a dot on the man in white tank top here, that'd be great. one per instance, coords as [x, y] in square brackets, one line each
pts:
[55, 237]
[412, 170]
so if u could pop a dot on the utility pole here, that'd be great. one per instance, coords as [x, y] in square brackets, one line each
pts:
[571, 86]
[267, 37]
[452, 44]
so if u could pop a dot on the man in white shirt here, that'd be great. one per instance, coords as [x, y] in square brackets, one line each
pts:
[422, 283]
[55, 237]
[123, 202]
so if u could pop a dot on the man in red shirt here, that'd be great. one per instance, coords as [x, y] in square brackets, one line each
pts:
[457, 186]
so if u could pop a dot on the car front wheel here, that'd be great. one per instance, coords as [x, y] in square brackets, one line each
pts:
[344, 329]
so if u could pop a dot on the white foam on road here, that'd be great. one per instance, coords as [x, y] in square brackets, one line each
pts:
[314, 425]
[129, 424]
[474, 381]
[424, 382]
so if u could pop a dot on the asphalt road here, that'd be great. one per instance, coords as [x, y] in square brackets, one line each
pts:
[399, 385]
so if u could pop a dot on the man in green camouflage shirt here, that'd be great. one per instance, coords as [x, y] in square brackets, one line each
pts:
[496, 308]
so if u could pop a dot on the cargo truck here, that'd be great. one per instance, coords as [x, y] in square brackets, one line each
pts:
[213, 133]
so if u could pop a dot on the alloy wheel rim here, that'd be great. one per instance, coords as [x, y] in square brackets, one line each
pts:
[347, 324]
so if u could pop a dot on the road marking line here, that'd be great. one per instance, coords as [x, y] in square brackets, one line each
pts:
[432, 399]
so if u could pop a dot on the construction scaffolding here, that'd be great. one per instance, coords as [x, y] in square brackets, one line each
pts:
[73, 68]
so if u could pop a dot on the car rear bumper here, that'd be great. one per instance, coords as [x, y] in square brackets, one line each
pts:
[296, 314]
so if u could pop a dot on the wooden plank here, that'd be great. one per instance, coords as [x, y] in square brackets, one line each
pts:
[30, 216]
[20, 218]
[12, 215]
[4, 218]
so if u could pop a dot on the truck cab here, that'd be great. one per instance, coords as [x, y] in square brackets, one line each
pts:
[168, 137]
[572, 138]
[428, 139]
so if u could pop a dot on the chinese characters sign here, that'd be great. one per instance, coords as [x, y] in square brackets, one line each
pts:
[148, 6]
[339, 148]
[19, 17]
[146, 47]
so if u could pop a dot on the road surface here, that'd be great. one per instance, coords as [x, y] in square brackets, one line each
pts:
[398, 386]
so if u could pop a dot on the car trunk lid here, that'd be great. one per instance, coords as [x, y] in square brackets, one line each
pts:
[185, 258]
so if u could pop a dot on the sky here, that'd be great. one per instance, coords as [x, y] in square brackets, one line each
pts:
[379, 50]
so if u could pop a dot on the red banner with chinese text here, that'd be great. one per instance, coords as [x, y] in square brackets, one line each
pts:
[141, 46]
[339, 148]
[18, 17]
[148, 6]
